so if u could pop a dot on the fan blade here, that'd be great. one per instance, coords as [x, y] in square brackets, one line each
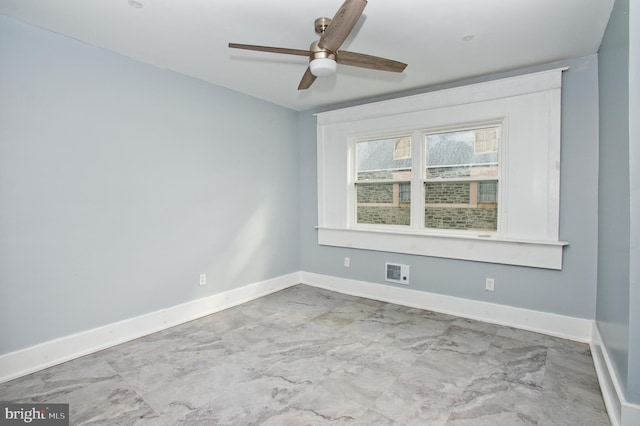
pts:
[282, 50]
[342, 24]
[367, 61]
[307, 80]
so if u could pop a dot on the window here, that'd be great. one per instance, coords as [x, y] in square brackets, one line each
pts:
[405, 192]
[382, 187]
[487, 193]
[470, 173]
[459, 165]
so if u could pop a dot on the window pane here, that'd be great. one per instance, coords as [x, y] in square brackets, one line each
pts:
[487, 192]
[467, 153]
[383, 203]
[453, 198]
[460, 205]
[384, 159]
[405, 192]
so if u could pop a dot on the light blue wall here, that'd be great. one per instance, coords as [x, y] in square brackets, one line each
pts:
[633, 385]
[617, 303]
[571, 291]
[613, 253]
[120, 183]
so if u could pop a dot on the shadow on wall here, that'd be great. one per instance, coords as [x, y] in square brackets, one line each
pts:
[247, 254]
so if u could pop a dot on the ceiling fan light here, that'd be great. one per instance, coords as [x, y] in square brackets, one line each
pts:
[322, 67]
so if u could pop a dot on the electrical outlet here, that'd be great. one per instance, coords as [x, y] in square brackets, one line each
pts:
[490, 284]
[347, 262]
[203, 279]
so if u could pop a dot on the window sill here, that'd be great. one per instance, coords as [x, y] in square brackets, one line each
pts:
[536, 254]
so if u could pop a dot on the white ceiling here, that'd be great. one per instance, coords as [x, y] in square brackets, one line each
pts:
[191, 37]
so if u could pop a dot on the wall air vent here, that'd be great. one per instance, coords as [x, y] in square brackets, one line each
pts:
[396, 273]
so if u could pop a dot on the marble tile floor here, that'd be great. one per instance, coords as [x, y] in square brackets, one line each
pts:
[306, 356]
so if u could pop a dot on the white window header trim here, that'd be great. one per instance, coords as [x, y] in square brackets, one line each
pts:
[479, 92]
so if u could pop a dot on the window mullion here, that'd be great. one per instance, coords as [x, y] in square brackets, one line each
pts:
[417, 185]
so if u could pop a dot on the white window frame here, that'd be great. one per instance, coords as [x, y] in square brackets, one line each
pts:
[528, 108]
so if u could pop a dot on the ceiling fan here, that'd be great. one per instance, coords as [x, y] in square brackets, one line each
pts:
[324, 54]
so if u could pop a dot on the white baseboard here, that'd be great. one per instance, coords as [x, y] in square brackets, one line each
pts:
[47, 354]
[577, 329]
[621, 412]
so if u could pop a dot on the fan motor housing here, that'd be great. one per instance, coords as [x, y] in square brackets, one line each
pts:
[317, 52]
